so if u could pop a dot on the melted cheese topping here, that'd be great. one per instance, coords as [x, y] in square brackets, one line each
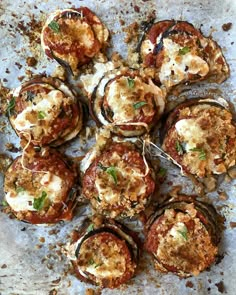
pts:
[175, 67]
[49, 106]
[191, 133]
[190, 250]
[23, 200]
[90, 81]
[121, 98]
[102, 259]
[130, 183]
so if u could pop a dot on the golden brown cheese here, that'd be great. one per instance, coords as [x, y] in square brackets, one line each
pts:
[202, 140]
[73, 36]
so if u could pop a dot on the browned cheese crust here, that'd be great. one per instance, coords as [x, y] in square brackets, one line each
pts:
[116, 183]
[202, 139]
[38, 188]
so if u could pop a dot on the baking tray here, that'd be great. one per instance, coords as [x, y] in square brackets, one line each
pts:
[30, 256]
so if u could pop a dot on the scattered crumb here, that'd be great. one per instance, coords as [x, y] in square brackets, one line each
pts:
[89, 292]
[31, 61]
[38, 246]
[221, 287]
[223, 196]
[57, 281]
[11, 148]
[4, 266]
[189, 284]
[131, 33]
[232, 224]
[42, 239]
[53, 231]
[136, 8]
[53, 292]
[226, 27]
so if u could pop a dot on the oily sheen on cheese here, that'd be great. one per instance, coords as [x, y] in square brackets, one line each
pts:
[49, 106]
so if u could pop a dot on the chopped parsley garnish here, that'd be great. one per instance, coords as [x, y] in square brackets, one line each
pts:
[184, 232]
[184, 50]
[39, 202]
[179, 148]
[202, 153]
[109, 170]
[139, 104]
[41, 115]
[19, 189]
[112, 171]
[162, 172]
[11, 106]
[54, 26]
[4, 203]
[90, 227]
[130, 82]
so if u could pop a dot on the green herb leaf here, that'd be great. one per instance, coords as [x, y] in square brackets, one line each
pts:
[112, 171]
[184, 50]
[91, 261]
[97, 265]
[202, 153]
[39, 202]
[4, 203]
[19, 189]
[184, 233]
[139, 104]
[109, 170]
[54, 26]
[179, 148]
[11, 106]
[41, 115]
[130, 82]
[90, 228]
[162, 172]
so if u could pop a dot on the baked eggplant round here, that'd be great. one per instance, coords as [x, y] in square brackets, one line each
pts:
[40, 187]
[118, 182]
[105, 255]
[182, 236]
[73, 37]
[180, 53]
[130, 103]
[200, 135]
[46, 112]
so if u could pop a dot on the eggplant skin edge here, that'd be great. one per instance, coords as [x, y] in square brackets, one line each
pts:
[132, 243]
[214, 226]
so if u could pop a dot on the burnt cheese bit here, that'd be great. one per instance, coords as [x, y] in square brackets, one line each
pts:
[127, 102]
[73, 37]
[39, 187]
[118, 182]
[105, 254]
[180, 53]
[182, 236]
[45, 111]
[201, 137]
